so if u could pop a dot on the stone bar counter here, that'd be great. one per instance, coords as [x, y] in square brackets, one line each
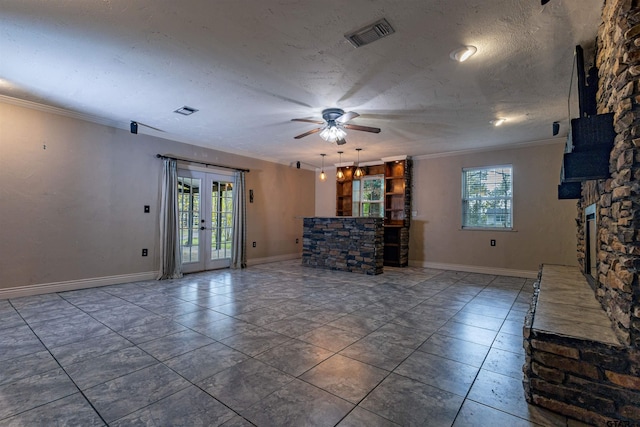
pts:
[352, 244]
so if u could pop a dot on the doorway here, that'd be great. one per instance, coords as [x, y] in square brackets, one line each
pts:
[205, 209]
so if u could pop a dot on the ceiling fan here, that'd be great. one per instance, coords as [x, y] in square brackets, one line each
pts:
[335, 123]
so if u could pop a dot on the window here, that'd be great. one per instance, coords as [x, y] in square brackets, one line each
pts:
[487, 197]
[368, 196]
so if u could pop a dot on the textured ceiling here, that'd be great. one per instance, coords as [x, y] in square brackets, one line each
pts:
[249, 66]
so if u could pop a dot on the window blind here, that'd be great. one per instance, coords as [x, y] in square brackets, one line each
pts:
[487, 197]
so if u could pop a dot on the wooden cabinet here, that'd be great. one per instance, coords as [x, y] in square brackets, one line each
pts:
[397, 212]
[344, 193]
[397, 202]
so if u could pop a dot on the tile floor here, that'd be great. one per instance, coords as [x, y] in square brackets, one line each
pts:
[273, 345]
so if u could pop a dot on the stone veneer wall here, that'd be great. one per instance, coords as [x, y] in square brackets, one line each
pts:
[618, 198]
[352, 244]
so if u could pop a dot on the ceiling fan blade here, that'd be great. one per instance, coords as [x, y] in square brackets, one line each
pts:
[312, 131]
[341, 141]
[362, 128]
[318, 122]
[347, 116]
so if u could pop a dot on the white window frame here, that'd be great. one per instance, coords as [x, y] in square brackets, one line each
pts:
[508, 224]
[360, 199]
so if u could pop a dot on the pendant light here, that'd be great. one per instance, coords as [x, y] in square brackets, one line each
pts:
[323, 176]
[359, 172]
[340, 174]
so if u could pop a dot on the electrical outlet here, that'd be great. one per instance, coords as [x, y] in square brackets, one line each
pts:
[254, 244]
[493, 242]
[297, 240]
[145, 252]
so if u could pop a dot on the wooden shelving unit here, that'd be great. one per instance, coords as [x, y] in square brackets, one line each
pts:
[344, 193]
[397, 212]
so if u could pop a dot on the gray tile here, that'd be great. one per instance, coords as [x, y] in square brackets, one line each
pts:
[91, 372]
[486, 310]
[205, 362]
[474, 414]
[445, 374]
[224, 328]
[65, 330]
[512, 327]
[504, 362]
[330, 337]
[378, 353]
[244, 384]
[199, 317]
[18, 341]
[237, 421]
[188, 407]
[10, 319]
[28, 393]
[357, 324]
[294, 357]
[122, 396]
[455, 349]
[409, 402]
[73, 410]
[508, 342]
[359, 417]
[400, 335]
[262, 316]
[500, 392]
[345, 378]
[293, 326]
[90, 348]
[320, 314]
[125, 317]
[26, 366]
[255, 341]
[299, 404]
[152, 330]
[420, 321]
[468, 333]
[478, 320]
[175, 344]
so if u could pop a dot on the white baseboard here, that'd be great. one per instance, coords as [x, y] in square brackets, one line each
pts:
[528, 274]
[266, 260]
[72, 285]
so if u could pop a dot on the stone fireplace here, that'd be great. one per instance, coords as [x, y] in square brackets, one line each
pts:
[588, 373]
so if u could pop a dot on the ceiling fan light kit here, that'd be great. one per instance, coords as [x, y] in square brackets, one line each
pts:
[335, 123]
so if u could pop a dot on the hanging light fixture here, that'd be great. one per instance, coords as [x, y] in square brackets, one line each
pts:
[323, 176]
[359, 172]
[340, 174]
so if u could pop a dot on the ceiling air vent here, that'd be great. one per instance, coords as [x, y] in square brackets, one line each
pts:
[185, 111]
[370, 33]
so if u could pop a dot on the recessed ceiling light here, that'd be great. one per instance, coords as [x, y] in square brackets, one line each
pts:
[185, 111]
[463, 53]
[499, 121]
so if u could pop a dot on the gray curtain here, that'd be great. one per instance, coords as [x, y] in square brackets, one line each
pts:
[170, 256]
[239, 239]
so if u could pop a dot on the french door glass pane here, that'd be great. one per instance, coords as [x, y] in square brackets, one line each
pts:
[221, 219]
[189, 213]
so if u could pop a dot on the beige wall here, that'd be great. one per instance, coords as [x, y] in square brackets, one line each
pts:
[544, 226]
[74, 210]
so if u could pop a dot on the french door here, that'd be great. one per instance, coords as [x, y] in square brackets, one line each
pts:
[205, 208]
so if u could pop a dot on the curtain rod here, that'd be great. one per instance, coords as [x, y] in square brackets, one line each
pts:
[165, 156]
